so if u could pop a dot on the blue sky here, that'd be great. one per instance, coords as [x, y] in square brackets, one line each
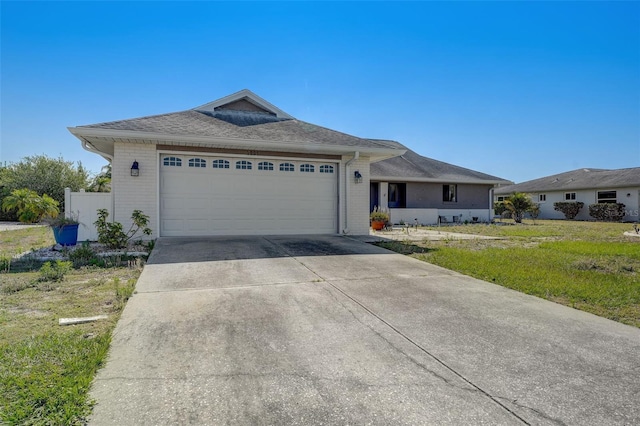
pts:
[518, 90]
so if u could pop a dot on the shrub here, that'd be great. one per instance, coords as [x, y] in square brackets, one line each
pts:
[610, 212]
[570, 209]
[83, 255]
[54, 271]
[112, 234]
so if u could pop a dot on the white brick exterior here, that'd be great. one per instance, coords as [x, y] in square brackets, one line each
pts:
[135, 193]
[354, 197]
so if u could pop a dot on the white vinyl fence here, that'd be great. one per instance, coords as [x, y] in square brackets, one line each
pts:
[85, 205]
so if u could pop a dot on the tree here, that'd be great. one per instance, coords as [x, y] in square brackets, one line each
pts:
[44, 175]
[30, 207]
[570, 209]
[518, 204]
[102, 181]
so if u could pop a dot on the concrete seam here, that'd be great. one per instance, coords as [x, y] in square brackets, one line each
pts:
[404, 336]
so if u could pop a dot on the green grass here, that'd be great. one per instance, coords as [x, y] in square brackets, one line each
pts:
[586, 265]
[45, 369]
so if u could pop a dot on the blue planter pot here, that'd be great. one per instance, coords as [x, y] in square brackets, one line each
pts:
[66, 235]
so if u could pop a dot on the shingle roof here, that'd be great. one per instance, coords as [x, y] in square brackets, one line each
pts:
[238, 125]
[413, 166]
[578, 179]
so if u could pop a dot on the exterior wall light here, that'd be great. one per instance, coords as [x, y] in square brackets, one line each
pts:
[357, 176]
[135, 170]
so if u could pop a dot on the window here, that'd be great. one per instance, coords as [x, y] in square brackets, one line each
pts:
[220, 164]
[397, 195]
[449, 193]
[172, 161]
[542, 198]
[326, 169]
[607, 197]
[568, 196]
[307, 168]
[500, 198]
[243, 165]
[287, 167]
[265, 165]
[197, 162]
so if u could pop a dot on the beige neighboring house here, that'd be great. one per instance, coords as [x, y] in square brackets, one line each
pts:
[588, 186]
[237, 166]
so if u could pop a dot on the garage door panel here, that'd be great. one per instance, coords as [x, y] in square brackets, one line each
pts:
[207, 201]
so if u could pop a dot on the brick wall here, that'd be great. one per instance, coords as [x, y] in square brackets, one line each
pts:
[135, 193]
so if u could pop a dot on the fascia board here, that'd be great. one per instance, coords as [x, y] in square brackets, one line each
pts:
[293, 146]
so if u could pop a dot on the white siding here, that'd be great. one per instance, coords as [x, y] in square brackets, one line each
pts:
[135, 193]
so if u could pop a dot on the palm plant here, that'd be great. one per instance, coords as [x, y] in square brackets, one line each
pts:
[518, 204]
[29, 206]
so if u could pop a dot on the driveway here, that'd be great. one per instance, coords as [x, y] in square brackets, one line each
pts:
[330, 330]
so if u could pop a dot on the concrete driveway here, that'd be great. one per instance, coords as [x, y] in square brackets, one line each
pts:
[330, 330]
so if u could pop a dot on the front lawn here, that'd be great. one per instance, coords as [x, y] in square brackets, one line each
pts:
[46, 369]
[590, 266]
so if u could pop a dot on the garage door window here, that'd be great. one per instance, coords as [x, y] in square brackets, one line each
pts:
[287, 167]
[220, 164]
[326, 169]
[197, 162]
[307, 168]
[172, 161]
[243, 165]
[265, 165]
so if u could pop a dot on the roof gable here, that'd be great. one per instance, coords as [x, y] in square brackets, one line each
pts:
[246, 101]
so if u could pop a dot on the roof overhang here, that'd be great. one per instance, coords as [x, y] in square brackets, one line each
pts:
[436, 180]
[102, 141]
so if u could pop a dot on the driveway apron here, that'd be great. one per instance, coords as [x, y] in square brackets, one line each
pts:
[330, 330]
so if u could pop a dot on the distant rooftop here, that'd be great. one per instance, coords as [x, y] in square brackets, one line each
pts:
[578, 179]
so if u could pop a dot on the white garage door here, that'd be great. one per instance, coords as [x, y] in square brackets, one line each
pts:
[204, 195]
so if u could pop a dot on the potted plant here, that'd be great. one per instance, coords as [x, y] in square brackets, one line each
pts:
[65, 229]
[379, 218]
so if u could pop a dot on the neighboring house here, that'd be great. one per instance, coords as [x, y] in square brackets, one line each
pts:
[589, 186]
[414, 187]
[236, 166]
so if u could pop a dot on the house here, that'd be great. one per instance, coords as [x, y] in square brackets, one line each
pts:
[236, 166]
[419, 188]
[588, 186]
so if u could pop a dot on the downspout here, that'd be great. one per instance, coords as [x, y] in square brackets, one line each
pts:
[356, 155]
[491, 213]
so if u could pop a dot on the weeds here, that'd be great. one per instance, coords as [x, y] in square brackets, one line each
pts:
[122, 293]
